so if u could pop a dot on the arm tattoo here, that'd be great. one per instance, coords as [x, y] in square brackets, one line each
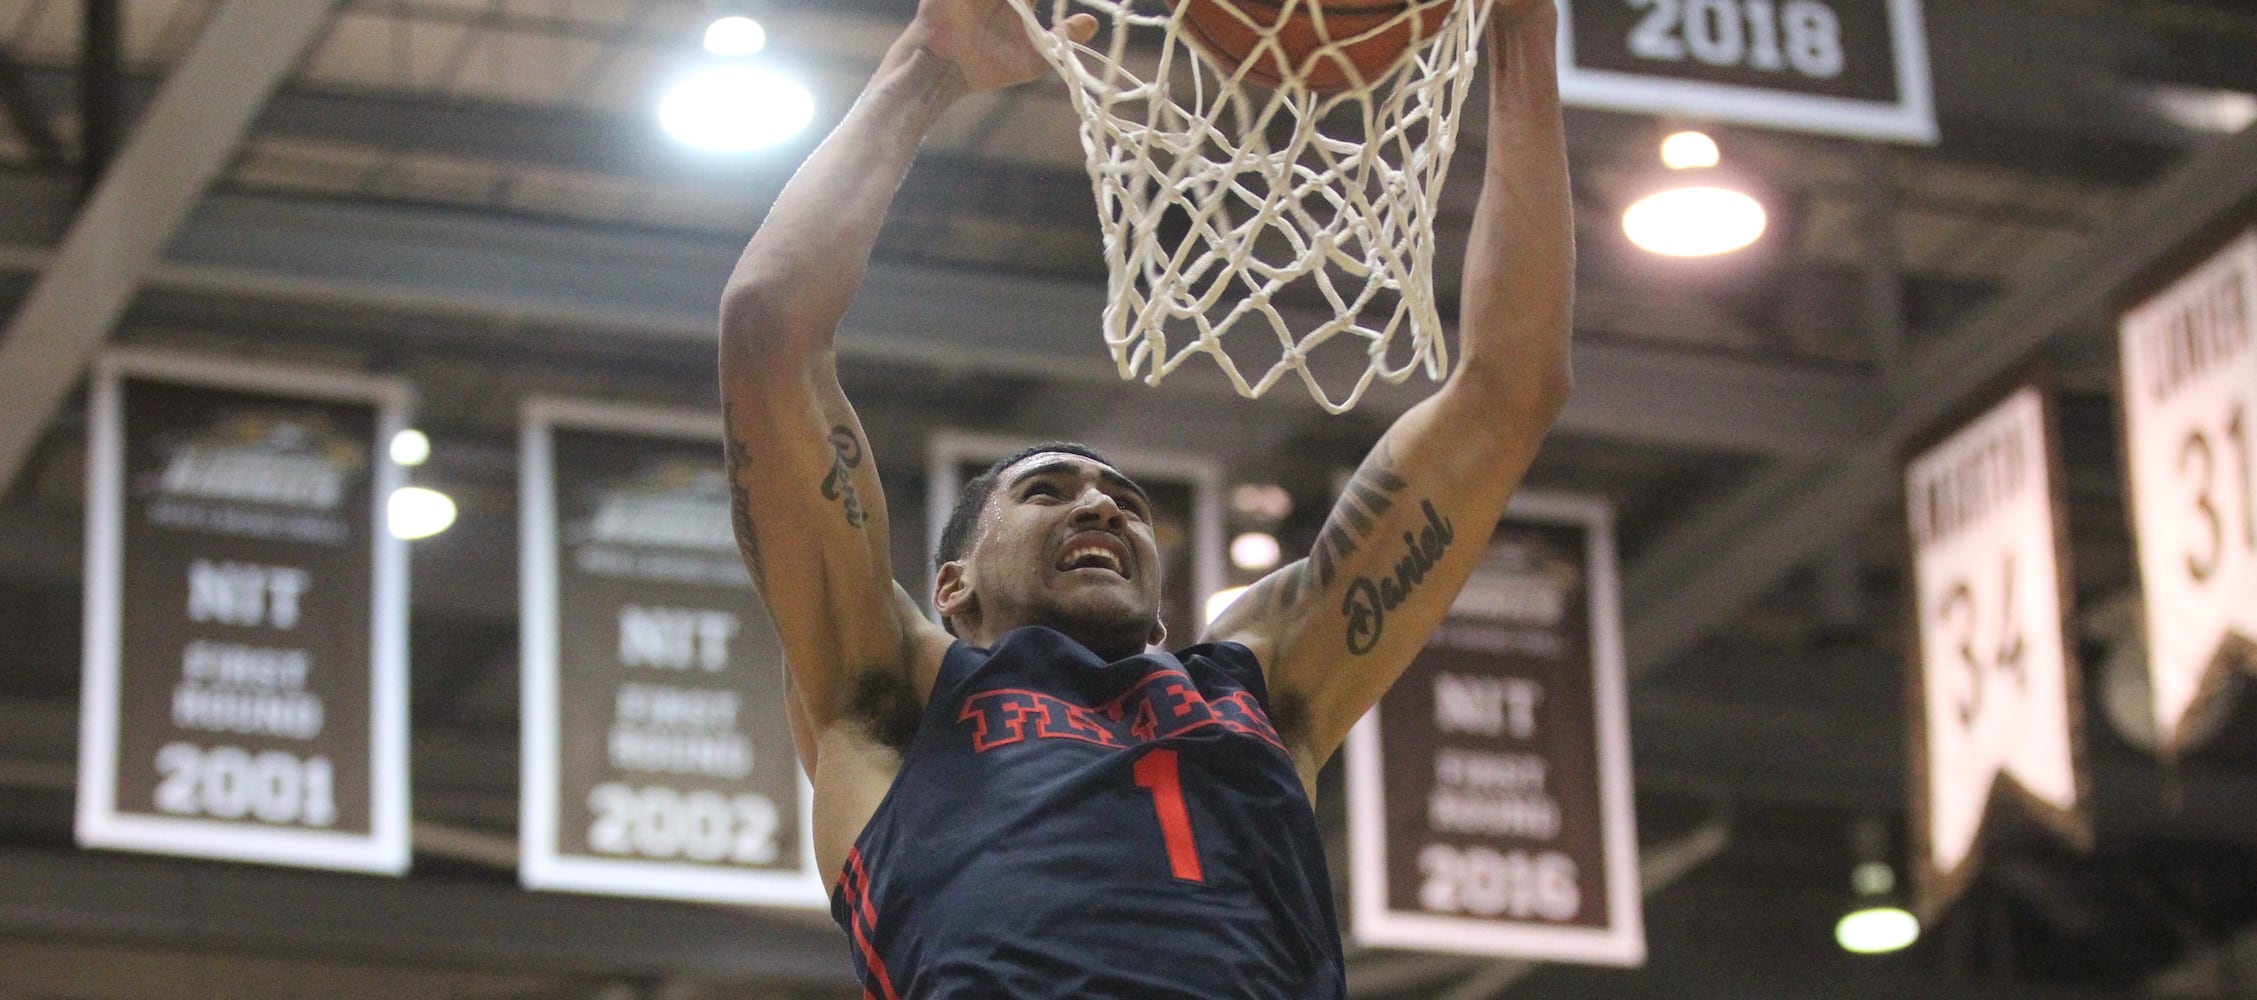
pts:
[1369, 600]
[1368, 496]
[846, 456]
[740, 502]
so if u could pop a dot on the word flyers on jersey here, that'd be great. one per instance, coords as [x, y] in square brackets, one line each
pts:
[1996, 691]
[246, 680]
[1489, 791]
[657, 750]
[2190, 396]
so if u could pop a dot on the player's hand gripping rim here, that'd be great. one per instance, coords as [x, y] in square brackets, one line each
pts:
[986, 42]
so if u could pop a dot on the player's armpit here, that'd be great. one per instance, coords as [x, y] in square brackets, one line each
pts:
[811, 520]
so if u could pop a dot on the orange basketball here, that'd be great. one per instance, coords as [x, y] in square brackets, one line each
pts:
[1227, 32]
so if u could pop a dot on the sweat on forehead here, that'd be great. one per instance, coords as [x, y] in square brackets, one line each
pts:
[1052, 463]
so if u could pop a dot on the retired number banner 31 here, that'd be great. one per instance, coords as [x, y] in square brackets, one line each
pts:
[2190, 414]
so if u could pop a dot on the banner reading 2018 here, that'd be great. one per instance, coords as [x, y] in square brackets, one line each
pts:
[245, 692]
[1489, 792]
[657, 752]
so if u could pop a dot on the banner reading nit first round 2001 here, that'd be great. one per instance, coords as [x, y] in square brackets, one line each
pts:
[245, 692]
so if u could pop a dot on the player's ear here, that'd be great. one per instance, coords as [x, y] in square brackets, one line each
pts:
[952, 590]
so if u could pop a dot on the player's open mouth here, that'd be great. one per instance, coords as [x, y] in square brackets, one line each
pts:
[1093, 556]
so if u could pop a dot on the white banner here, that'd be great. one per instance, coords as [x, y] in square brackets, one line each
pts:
[2190, 397]
[658, 759]
[1997, 693]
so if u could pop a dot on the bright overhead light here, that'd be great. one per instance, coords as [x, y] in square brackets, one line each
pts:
[1694, 222]
[735, 35]
[1688, 150]
[410, 448]
[414, 512]
[1254, 550]
[1221, 600]
[2203, 109]
[1877, 930]
[733, 108]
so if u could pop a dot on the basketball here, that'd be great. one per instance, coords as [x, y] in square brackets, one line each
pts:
[1370, 35]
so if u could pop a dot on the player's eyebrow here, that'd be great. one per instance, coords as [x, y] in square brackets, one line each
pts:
[1067, 466]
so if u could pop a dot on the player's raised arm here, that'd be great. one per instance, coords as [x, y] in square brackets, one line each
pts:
[1335, 629]
[810, 516]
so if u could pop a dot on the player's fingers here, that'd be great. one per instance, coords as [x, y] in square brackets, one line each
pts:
[1079, 28]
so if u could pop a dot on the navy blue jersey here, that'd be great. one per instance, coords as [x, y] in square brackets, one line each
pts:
[1066, 827]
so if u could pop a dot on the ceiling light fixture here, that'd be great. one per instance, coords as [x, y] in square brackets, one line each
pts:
[413, 512]
[1698, 219]
[1875, 924]
[1689, 150]
[410, 448]
[1255, 551]
[1694, 222]
[735, 35]
[734, 108]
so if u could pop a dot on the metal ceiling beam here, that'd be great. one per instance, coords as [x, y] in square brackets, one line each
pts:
[196, 123]
[1725, 557]
[28, 114]
[518, 273]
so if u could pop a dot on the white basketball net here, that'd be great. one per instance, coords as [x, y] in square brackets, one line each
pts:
[1217, 194]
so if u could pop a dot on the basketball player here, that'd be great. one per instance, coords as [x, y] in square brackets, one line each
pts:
[1023, 802]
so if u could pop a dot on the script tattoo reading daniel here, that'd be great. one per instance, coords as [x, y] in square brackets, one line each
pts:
[1367, 498]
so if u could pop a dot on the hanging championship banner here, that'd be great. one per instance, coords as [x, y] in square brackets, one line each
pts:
[246, 613]
[1187, 520]
[1856, 68]
[658, 758]
[2190, 399]
[1995, 692]
[1489, 795]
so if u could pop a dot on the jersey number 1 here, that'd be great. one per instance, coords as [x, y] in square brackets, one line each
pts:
[1157, 771]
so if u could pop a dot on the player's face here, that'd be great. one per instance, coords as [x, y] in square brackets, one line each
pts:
[1067, 542]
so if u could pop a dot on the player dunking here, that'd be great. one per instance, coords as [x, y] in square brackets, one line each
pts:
[1026, 803]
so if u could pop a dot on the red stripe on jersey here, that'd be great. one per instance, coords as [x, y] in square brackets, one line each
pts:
[856, 882]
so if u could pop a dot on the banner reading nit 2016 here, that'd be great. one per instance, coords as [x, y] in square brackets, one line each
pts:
[245, 671]
[658, 758]
[1489, 792]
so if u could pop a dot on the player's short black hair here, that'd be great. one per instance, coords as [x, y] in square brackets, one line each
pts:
[957, 535]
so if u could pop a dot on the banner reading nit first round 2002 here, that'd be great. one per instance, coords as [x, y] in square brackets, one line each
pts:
[657, 754]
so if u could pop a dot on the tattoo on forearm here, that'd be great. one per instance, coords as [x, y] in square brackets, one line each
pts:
[740, 502]
[846, 456]
[1369, 600]
[1368, 496]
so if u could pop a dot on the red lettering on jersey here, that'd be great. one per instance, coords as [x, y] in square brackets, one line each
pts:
[1242, 714]
[1000, 718]
[1164, 704]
